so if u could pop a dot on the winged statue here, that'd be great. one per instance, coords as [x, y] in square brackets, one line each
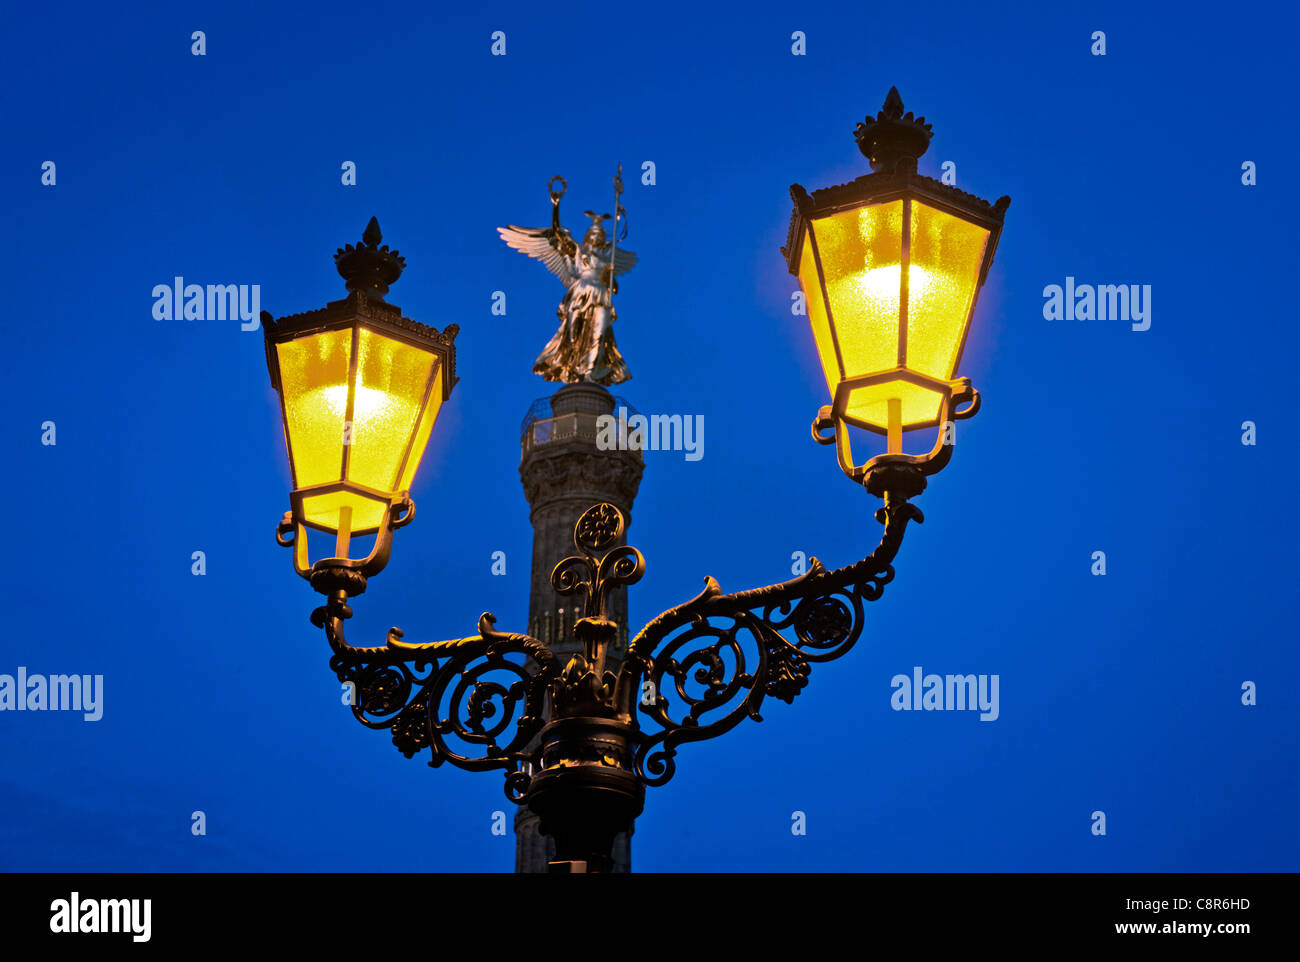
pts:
[583, 348]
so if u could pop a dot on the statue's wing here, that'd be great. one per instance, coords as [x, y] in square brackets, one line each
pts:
[624, 261]
[536, 242]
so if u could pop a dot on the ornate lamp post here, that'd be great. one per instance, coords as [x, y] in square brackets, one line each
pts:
[891, 266]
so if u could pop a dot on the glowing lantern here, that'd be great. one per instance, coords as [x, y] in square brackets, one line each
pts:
[891, 266]
[360, 389]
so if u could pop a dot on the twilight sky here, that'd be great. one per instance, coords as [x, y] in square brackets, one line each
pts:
[1120, 693]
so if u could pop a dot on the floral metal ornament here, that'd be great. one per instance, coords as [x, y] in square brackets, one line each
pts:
[597, 529]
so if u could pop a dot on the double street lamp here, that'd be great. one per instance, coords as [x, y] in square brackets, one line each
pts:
[890, 265]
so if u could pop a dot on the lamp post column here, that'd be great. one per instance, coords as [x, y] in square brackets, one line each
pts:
[564, 473]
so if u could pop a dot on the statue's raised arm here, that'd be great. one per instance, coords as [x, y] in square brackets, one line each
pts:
[553, 246]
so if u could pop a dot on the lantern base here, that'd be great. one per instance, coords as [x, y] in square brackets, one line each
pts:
[897, 478]
[334, 574]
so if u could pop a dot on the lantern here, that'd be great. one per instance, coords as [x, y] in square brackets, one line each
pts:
[360, 388]
[891, 266]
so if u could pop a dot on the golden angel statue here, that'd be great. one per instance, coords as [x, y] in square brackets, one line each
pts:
[583, 348]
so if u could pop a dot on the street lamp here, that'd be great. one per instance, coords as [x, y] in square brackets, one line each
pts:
[890, 265]
[360, 388]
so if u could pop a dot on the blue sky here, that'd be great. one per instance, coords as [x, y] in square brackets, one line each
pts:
[1119, 693]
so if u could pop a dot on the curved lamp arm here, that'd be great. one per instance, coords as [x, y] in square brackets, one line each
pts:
[721, 654]
[466, 689]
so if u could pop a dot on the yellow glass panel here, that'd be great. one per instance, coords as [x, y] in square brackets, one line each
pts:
[871, 404]
[821, 328]
[314, 384]
[392, 380]
[861, 252]
[946, 256]
[323, 510]
[432, 407]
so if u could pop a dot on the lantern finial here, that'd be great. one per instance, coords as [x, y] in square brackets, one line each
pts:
[367, 266]
[893, 106]
[892, 136]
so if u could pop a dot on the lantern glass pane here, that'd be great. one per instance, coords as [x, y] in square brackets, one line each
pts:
[314, 385]
[946, 256]
[323, 510]
[821, 327]
[430, 414]
[871, 404]
[861, 252]
[392, 381]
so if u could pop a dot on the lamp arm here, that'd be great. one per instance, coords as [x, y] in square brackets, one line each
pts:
[463, 688]
[706, 664]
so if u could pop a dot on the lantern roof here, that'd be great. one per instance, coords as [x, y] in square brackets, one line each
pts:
[383, 317]
[368, 268]
[879, 187]
[891, 141]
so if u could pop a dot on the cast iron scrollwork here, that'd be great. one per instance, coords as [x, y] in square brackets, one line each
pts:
[711, 661]
[478, 702]
[466, 699]
[598, 529]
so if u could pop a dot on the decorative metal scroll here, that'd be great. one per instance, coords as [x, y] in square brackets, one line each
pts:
[467, 699]
[598, 530]
[711, 661]
[477, 702]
